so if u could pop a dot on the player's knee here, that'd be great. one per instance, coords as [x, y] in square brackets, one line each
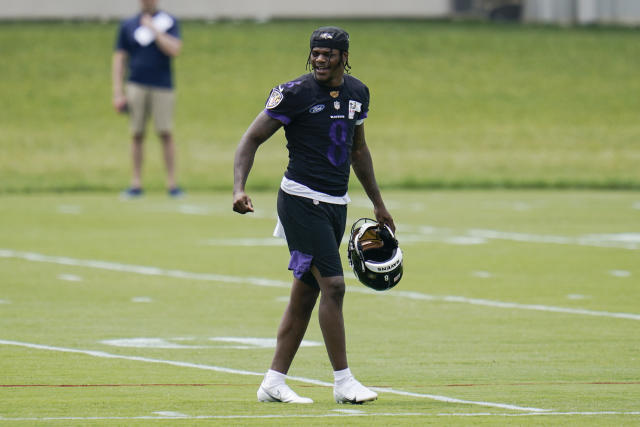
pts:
[334, 288]
[305, 304]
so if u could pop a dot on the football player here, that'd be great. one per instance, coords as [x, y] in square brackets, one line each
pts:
[323, 114]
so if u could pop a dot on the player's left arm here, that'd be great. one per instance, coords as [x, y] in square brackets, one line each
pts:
[362, 164]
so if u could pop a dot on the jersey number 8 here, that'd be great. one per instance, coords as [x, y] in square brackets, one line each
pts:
[337, 152]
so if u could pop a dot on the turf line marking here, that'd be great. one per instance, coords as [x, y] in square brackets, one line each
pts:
[309, 386]
[70, 277]
[141, 269]
[418, 234]
[122, 385]
[620, 240]
[513, 305]
[171, 414]
[257, 281]
[329, 415]
[105, 355]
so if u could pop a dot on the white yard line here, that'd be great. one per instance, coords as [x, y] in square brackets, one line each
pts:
[329, 415]
[257, 281]
[419, 234]
[619, 240]
[105, 355]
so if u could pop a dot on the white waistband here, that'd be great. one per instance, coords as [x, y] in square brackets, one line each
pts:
[297, 189]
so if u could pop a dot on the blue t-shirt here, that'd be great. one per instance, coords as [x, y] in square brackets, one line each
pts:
[319, 123]
[148, 65]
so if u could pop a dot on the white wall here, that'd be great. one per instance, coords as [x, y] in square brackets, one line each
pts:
[582, 11]
[216, 9]
[549, 11]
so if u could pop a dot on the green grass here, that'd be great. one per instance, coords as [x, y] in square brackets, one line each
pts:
[453, 104]
[562, 361]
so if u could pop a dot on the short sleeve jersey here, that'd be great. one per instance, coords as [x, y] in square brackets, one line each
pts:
[319, 124]
[148, 65]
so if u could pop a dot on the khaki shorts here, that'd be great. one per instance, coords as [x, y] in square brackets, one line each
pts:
[144, 101]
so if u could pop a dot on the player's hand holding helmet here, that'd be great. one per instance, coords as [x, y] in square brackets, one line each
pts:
[374, 254]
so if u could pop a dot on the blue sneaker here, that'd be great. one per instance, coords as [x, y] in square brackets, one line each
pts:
[176, 192]
[132, 193]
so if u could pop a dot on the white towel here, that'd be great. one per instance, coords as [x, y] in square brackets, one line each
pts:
[161, 22]
[279, 230]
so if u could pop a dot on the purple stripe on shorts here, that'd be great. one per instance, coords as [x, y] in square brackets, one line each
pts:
[284, 119]
[300, 263]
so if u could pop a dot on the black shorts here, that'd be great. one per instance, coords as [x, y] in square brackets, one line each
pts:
[314, 231]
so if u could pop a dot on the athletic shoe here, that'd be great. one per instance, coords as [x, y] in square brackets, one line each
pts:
[280, 393]
[132, 193]
[176, 192]
[353, 392]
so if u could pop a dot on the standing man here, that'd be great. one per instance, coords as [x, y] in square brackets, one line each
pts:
[147, 42]
[323, 114]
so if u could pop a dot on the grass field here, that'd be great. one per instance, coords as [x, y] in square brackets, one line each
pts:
[453, 104]
[516, 308]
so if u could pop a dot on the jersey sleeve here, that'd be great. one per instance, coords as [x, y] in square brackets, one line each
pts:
[365, 107]
[284, 102]
[122, 42]
[175, 29]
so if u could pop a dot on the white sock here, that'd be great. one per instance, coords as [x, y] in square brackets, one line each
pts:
[342, 376]
[273, 378]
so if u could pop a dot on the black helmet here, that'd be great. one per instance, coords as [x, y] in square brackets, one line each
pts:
[374, 254]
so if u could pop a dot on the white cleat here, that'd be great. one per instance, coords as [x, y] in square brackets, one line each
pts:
[353, 392]
[280, 393]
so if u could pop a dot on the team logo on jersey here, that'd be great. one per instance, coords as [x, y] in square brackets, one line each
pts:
[274, 99]
[334, 93]
[354, 107]
[316, 108]
[336, 105]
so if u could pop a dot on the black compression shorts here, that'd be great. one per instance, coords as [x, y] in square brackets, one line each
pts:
[314, 231]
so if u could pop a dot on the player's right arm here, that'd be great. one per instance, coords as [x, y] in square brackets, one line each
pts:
[118, 64]
[258, 132]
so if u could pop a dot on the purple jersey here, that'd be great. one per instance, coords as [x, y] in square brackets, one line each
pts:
[319, 123]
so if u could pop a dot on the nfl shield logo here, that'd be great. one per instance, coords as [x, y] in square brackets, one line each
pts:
[336, 105]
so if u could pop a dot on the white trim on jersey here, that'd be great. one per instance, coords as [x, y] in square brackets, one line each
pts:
[297, 189]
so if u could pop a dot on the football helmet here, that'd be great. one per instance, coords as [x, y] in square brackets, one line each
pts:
[374, 254]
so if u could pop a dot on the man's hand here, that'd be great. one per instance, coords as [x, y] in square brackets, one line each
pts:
[120, 103]
[242, 203]
[384, 217]
[146, 20]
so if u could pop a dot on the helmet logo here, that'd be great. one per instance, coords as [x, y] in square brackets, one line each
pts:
[325, 36]
[389, 267]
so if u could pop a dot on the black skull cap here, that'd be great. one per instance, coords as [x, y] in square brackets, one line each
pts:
[331, 37]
